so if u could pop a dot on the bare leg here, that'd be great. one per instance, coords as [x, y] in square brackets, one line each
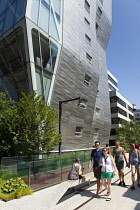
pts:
[109, 186]
[133, 178]
[122, 175]
[104, 182]
[98, 186]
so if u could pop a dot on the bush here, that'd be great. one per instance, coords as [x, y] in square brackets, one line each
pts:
[14, 188]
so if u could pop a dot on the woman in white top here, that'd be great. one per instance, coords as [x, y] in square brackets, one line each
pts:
[108, 170]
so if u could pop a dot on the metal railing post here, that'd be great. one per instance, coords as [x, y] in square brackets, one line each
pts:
[29, 173]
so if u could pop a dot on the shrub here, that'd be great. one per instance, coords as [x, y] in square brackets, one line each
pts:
[14, 188]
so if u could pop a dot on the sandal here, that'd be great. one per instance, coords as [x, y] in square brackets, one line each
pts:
[108, 199]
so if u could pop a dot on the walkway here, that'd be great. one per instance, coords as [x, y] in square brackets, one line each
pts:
[83, 198]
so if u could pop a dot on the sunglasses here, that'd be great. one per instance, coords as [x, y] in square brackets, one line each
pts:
[104, 150]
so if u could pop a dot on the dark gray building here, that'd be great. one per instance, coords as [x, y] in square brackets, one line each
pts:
[59, 49]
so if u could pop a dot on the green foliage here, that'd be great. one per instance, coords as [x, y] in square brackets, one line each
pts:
[14, 188]
[128, 132]
[28, 126]
[1, 182]
[13, 184]
[5, 174]
[8, 114]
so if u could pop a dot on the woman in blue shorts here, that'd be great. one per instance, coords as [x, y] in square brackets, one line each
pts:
[108, 171]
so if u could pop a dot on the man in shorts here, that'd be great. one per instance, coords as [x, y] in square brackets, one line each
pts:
[95, 158]
[134, 160]
[119, 155]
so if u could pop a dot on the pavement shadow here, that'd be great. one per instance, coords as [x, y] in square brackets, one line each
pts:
[83, 191]
[134, 195]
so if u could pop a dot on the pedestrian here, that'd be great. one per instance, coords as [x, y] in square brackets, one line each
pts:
[95, 158]
[134, 161]
[108, 148]
[75, 172]
[108, 171]
[136, 145]
[119, 155]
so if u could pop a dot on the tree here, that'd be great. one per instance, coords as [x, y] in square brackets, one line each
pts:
[128, 132]
[33, 127]
[7, 114]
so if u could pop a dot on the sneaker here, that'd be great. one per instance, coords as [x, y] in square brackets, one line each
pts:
[138, 185]
[123, 183]
[120, 183]
[132, 188]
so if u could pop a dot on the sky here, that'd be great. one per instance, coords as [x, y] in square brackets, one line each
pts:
[123, 51]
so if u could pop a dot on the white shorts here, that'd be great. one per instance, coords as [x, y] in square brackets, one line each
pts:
[135, 168]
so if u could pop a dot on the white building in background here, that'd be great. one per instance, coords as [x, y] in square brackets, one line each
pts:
[137, 114]
[121, 109]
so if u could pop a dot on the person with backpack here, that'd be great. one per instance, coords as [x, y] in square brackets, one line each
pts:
[134, 161]
[108, 171]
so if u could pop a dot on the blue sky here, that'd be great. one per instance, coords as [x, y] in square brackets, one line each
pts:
[123, 51]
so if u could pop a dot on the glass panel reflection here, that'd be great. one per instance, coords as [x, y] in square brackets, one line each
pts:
[45, 55]
[13, 70]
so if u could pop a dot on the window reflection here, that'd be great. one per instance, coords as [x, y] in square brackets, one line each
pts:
[13, 64]
[10, 13]
[45, 55]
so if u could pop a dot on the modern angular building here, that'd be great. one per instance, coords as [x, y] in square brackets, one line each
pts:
[121, 109]
[58, 48]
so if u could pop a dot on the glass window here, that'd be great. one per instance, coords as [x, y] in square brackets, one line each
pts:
[87, 22]
[97, 26]
[87, 79]
[97, 93]
[14, 71]
[112, 80]
[39, 81]
[78, 131]
[44, 62]
[45, 51]
[44, 15]
[2, 21]
[47, 78]
[87, 38]
[87, 6]
[3, 5]
[20, 10]
[57, 8]
[130, 109]
[121, 102]
[96, 131]
[53, 28]
[88, 57]
[9, 19]
[99, 12]
[112, 132]
[113, 99]
[36, 48]
[97, 112]
[116, 121]
[131, 116]
[111, 87]
[34, 12]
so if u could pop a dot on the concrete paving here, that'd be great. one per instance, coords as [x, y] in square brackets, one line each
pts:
[122, 198]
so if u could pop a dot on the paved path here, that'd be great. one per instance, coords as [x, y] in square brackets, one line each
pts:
[123, 198]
